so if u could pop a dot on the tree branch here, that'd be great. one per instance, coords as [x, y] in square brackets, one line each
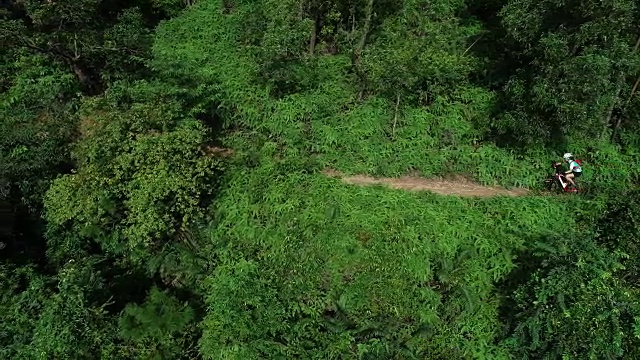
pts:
[470, 46]
[633, 92]
[75, 46]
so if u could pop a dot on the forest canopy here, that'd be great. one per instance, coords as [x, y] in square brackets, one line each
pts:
[164, 190]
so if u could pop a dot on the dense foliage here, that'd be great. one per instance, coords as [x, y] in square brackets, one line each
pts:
[162, 193]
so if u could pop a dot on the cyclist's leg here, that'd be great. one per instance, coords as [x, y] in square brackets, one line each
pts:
[569, 178]
[576, 175]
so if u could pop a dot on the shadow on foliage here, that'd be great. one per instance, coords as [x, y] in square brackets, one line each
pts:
[528, 262]
[21, 234]
[515, 125]
[619, 231]
[130, 286]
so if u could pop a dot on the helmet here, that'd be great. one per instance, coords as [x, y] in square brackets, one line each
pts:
[567, 156]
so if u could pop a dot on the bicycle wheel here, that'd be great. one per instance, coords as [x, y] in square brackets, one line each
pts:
[555, 186]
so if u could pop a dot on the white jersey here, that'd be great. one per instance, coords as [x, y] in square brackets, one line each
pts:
[574, 166]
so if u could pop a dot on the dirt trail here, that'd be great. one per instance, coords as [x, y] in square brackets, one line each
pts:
[460, 187]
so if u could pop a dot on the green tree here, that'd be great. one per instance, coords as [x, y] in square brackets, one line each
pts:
[579, 300]
[50, 52]
[619, 231]
[95, 40]
[62, 316]
[141, 178]
[573, 68]
[36, 129]
[162, 327]
[420, 52]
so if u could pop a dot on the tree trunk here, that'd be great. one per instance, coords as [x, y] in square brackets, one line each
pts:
[353, 20]
[365, 30]
[80, 75]
[301, 14]
[357, 52]
[89, 81]
[314, 35]
[619, 121]
[619, 84]
[607, 121]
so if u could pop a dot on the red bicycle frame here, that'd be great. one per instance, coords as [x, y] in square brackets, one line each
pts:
[560, 178]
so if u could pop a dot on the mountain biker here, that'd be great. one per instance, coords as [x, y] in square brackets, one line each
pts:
[575, 170]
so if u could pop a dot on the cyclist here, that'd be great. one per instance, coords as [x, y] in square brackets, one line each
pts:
[575, 170]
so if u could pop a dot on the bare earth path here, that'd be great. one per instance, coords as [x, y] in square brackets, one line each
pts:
[460, 187]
